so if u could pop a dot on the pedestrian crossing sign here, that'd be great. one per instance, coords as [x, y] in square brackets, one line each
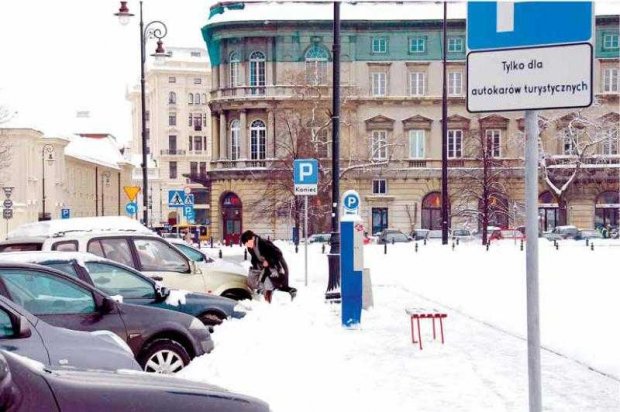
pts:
[176, 198]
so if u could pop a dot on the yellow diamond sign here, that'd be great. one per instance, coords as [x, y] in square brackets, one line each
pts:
[131, 192]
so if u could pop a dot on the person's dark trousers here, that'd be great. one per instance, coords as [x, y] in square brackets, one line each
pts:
[285, 287]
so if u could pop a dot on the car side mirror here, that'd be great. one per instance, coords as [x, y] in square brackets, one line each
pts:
[23, 328]
[157, 278]
[162, 293]
[107, 305]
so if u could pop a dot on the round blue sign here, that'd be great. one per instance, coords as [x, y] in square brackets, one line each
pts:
[351, 202]
[131, 208]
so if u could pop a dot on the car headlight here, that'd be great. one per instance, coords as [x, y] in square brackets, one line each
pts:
[196, 325]
[115, 338]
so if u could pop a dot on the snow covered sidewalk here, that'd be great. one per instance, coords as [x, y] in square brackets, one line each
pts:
[297, 357]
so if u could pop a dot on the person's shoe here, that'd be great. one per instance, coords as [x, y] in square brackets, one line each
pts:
[293, 293]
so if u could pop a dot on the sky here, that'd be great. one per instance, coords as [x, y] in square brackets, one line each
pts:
[64, 56]
[297, 356]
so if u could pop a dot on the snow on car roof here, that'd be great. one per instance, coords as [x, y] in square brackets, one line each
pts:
[34, 257]
[55, 227]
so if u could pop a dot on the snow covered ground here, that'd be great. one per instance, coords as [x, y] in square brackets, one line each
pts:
[296, 356]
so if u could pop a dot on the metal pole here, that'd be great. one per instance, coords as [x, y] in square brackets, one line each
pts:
[43, 180]
[305, 240]
[444, 136]
[531, 259]
[145, 179]
[333, 285]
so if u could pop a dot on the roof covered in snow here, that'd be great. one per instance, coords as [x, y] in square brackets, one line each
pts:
[101, 149]
[50, 228]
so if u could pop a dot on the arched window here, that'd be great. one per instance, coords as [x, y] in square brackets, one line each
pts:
[257, 140]
[607, 209]
[550, 213]
[234, 140]
[232, 215]
[197, 98]
[257, 72]
[190, 98]
[431, 211]
[498, 213]
[234, 69]
[204, 98]
[316, 65]
[172, 98]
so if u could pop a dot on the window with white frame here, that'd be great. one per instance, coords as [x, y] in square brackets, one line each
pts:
[455, 143]
[417, 44]
[234, 69]
[379, 83]
[455, 83]
[610, 41]
[316, 65]
[455, 44]
[379, 45]
[379, 187]
[172, 79]
[172, 98]
[204, 98]
[416, 144]
[234, 140]
[379, 145]
[493, 142]
[172, 119]
[257, 72]
[197, 80]
[611, 143]
[258, 133]
[610, 80]
[197, 98]
[417, 83]
[190, 98]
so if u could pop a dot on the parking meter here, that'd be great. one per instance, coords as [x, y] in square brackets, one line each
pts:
[351, 268]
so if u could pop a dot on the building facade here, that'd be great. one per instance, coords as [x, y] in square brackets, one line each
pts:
[178, 133]
[83, 174]
[271, 81]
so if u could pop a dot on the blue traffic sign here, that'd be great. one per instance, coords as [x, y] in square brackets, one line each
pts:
[351, 202]
[189, 200]
[188, 211]
[131, 208]
[305, 171]
[65, 213]
[176, 198]
[498, 25]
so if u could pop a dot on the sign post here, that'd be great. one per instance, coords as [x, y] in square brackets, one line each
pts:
[351, 259]
[517, 60]
[306, 180]
[7, 212]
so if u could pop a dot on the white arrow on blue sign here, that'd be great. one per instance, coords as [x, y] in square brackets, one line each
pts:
[499, 25]
[131, 208]
[306, 176]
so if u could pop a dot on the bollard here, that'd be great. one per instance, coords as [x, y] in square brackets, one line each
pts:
[555, 243]
[323, 248]
[457, 241]
[211, 242]
[557, 246]
[296, 248]
[245, 254]
[416, 247]
[488, 244]
[385, 248]
[220, 253]
[521, 246]
[424, 241]
[592, 246]
[453, 244]
[392, 240]
[587, 242]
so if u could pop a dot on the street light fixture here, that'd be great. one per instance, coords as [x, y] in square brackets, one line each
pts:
[47, 154]
[153, 30]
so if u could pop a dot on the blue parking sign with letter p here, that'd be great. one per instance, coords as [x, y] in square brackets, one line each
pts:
[305, 171]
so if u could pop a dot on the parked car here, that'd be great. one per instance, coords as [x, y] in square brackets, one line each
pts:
[589, 234]
[392, 236]
[320, 237]
[463, 235]
[162, 341]
[23, 333]
[126, 241]
[563, 232]
[419, 234]
[434, 234]
[197, 255]
[116, 279]
[26, 385]
[512, 234]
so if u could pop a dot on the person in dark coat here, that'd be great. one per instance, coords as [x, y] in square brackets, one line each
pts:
[268, 257]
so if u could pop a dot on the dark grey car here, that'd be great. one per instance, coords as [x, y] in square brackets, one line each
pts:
[25, 334]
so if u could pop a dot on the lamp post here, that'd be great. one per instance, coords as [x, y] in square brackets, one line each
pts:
[105, 182]
[153, 30]
[47, 153]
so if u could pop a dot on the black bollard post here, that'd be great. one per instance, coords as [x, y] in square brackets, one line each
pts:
[392, 240]
[296, 248]
[521, 246]
[457, 241]
[245, 254]
[385, 248]
[424, 241]
[453, 244]
[592, 246]
[220, 254]
[211, 242]
[323, 248]
[587, 242]
[416, 247]
[557, 246]
[488, 244]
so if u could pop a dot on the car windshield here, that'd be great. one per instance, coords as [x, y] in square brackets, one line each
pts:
[21, 247]
[190, 252]
[461, 232]
[434, 234]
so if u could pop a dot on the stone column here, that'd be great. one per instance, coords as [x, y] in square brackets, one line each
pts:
[215, 137]
[223, 147]
[271, 133]
[243, 135]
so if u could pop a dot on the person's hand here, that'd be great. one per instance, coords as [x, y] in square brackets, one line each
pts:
[265, 264]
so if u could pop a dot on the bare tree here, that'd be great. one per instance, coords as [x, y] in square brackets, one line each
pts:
[6, 114]
[479, 192]
[585, 146]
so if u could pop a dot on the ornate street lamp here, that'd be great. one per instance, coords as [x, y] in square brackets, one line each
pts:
[153, 30]
[47, 154]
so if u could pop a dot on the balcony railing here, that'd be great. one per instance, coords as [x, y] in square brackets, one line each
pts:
[417, 163]
[173, 152]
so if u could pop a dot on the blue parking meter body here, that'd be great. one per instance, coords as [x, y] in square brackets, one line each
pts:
[351, 269]
[296, 235]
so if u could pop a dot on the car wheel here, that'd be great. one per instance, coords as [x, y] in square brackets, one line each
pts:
[237, 294]
[211, 320]
[164, 356]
